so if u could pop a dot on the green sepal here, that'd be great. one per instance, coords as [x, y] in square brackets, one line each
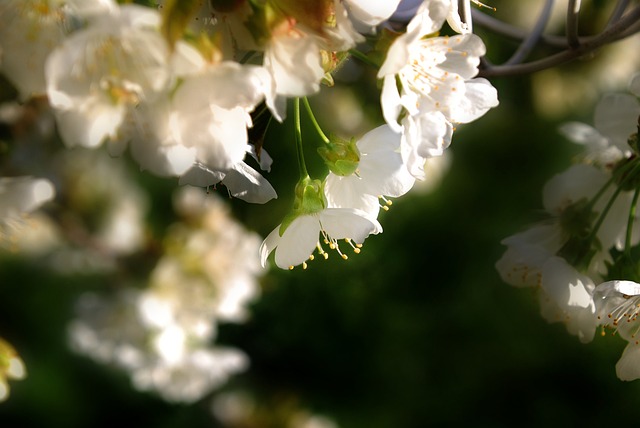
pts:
[342, 157]
[309, 199]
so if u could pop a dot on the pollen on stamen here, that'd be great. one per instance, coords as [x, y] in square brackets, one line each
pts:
[311, 257]
[290, 267]
[356, 247]
[304, 265]
[344, 256]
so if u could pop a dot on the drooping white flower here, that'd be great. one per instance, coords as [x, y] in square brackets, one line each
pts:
[100, 72]
[300, 239]
[297, 237]
[380, 172]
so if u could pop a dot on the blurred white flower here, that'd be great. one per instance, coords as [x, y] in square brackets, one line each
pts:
[208, 273]
[98, 73]
[20, 196]
[11, 368]
[24, 53]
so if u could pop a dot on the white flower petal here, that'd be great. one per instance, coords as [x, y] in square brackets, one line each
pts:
[616, 117]
[347, 223]
[247, 184]
[628, 367]
[298, 241]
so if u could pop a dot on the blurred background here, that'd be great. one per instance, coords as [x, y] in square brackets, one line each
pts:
[418, 330]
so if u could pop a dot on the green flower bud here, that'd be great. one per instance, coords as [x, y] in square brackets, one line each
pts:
[309, 199]
[341, 156]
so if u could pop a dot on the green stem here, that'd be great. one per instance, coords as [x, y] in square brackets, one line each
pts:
[362, 57]
[592, 201]
[603, 214]
[298, 133]
[247, 57]
[632, 217]
[314, 121]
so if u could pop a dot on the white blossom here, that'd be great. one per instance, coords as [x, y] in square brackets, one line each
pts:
[568, 298]
[300, 238]
[100, 72]
[380, 172]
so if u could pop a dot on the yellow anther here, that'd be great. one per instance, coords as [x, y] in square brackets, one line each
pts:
[386, 208]
[326, 255]
[311, 257]
[290, 267]
[344, 256]
[304, 265]
[356, 250]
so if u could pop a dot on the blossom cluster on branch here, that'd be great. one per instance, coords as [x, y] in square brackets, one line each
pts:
[582, 259]
[189, 88]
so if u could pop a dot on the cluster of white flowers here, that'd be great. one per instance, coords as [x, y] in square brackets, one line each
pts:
[429, 85]
[183, 98]
[162, 335]
[180, 85]
[583, 259]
